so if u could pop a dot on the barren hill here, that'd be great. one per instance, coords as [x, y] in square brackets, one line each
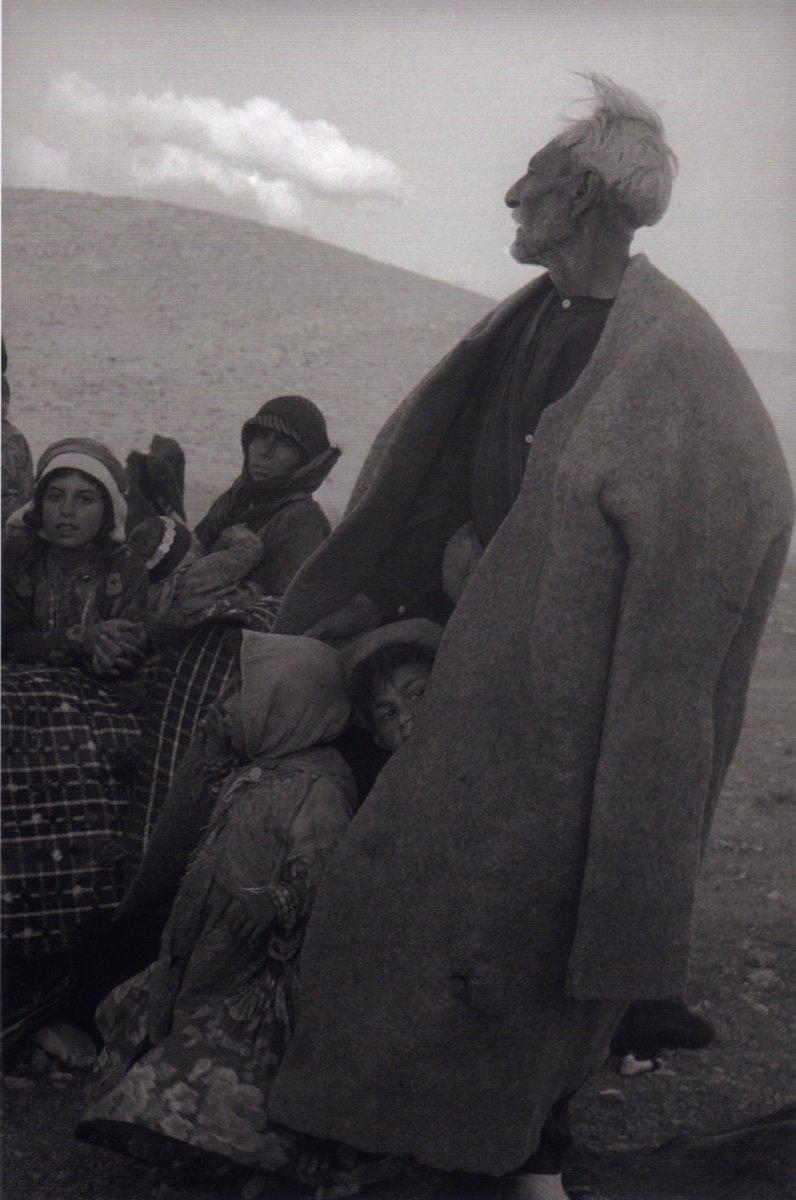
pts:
[127, 317]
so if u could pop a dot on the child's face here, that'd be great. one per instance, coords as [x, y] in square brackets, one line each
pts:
[395, 704]
[271, 456]
[72, 511]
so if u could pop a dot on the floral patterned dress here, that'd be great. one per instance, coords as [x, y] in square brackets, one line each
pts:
[192, 1044]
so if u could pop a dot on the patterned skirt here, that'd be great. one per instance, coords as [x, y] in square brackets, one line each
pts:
[202, 1092]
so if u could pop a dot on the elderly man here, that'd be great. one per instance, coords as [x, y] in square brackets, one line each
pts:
[526, 865]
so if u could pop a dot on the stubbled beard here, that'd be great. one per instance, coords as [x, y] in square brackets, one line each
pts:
[549, 237]
[527, 255]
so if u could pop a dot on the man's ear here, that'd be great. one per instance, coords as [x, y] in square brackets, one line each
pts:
[587, 190]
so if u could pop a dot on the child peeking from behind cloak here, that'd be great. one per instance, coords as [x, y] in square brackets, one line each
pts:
[389, 669]
[73, 592]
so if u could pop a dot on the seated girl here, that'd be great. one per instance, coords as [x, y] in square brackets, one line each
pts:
[286, 457]
[193, 1042]
[73, 593]
[72, 597]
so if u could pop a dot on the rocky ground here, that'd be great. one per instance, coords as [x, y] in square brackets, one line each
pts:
[660, 1136]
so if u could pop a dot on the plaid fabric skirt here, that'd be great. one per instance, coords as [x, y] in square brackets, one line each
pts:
[85, 769]
[69, 743]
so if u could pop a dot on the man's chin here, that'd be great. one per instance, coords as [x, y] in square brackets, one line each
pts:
[522, 253]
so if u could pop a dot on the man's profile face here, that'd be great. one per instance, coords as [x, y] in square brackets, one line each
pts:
[540, 202]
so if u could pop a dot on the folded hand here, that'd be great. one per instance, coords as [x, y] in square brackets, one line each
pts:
[114, 644]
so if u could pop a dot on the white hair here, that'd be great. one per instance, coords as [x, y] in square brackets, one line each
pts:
[623, 142]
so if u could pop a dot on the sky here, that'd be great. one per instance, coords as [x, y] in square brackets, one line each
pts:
[394, 127]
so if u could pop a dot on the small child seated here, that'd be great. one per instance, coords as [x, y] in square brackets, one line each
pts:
[193, 1043]
[286, 457]
[183, 580]
[73, 592]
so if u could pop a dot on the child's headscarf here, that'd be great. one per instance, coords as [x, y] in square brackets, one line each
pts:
[293, 693]
[93, 459]
[303, 422]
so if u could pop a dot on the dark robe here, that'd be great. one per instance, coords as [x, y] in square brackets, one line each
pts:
[527, 862]
[479, 470]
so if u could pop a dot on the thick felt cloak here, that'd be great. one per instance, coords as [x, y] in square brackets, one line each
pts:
[531, 855]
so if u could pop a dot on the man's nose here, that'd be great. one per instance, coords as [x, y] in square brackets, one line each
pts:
[405, 719]
[512, 197]
[67, 506]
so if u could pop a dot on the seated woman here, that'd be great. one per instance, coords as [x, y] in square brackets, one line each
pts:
[286, 457]
[193, 1042]
[73, 592]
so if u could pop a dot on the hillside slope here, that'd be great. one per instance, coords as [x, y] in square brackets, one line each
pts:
[128, 317]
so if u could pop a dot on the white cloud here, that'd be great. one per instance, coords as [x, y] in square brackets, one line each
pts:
[256, 151]
[153, 166]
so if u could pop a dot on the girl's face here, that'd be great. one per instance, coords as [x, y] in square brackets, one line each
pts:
[396, 703]
[271, 455]
[72, 510]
